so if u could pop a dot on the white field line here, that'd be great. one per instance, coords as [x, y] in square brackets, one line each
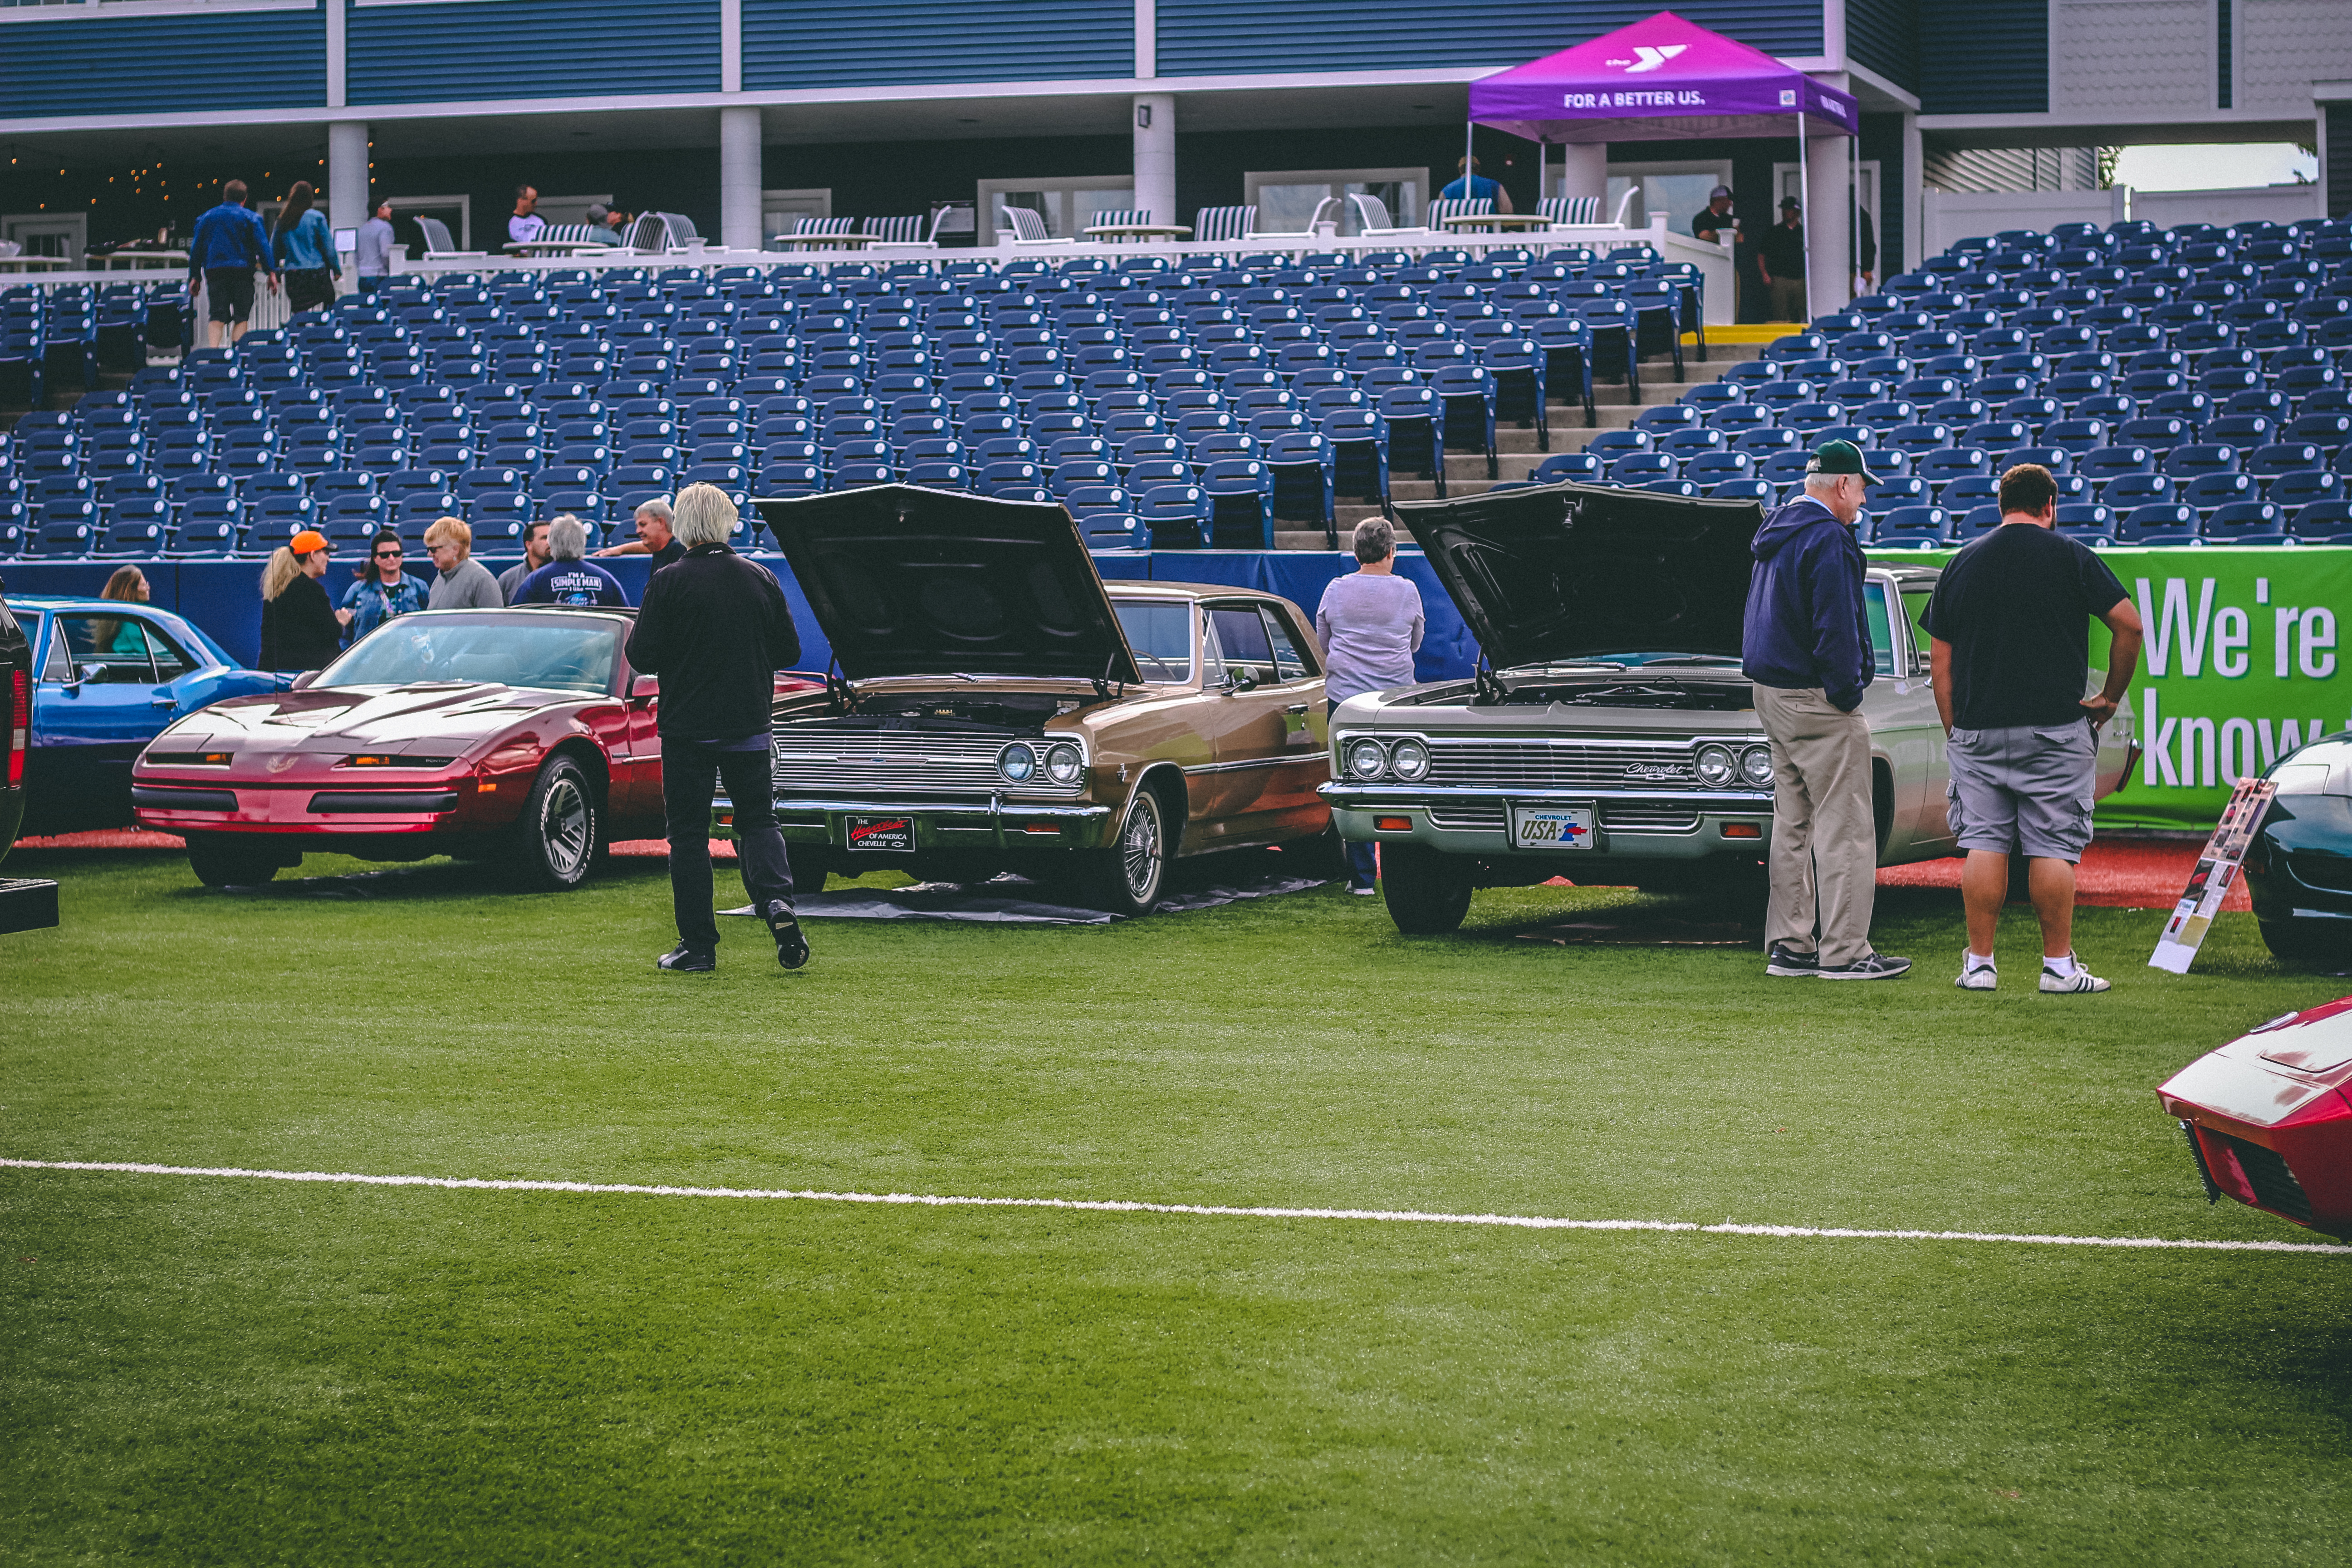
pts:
[1214, 1210]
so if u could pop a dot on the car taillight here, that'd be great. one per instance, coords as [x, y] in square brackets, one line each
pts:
[20, 725]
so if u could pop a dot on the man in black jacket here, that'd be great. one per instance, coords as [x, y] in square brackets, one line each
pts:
[715, 627]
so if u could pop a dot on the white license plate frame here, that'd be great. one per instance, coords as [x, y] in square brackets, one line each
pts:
[1540, 828]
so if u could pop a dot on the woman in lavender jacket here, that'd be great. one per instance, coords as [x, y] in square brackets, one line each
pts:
[1370, 623]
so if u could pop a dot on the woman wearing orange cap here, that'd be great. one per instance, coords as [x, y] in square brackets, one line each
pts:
[298, 627]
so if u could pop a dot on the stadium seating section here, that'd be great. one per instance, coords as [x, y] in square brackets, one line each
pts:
[2186, 386]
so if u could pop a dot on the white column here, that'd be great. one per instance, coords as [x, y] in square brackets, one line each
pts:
[731, 45]
[1827, 226]
[738, 178]
[1155, 156]
[338, 53]
[1915, 154]
[1584, 172]
[347, 173]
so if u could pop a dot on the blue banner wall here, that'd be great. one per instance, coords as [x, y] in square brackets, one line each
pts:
[224, 597]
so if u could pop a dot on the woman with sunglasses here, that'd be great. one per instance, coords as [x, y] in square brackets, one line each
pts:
[382, 590]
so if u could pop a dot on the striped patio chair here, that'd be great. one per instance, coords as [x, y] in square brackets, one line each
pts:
[1571, 209]
[1118, 214]
[1219, 225]
[1029, 227]
[1442, 209]
[896, 230]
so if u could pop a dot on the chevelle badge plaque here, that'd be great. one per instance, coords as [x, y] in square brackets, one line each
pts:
[1551, 828]
[895, 833]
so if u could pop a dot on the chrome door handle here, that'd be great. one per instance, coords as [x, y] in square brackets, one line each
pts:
[163, 702]
[1296, 708]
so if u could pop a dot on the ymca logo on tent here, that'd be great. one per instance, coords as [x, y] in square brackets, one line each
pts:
[1649, 59]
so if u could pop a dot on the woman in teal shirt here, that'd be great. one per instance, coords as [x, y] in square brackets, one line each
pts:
[306, 250]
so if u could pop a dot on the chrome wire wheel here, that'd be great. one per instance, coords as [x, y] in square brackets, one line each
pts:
[564, 827]
[1140, 861]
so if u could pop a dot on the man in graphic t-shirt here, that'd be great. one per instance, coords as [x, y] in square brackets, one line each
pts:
[2010, 625]
[567, 579]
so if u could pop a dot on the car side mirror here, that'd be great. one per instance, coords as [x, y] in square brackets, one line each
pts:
[302, 682]
[643, 687]
[1240, 682]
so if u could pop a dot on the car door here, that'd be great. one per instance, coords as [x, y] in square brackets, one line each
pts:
[100, 701]
[1268, 730]
[1905, 728]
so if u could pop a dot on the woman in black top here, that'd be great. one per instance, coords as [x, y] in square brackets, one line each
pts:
[299, 628]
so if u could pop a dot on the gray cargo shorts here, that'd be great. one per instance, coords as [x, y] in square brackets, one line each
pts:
[2024, 789]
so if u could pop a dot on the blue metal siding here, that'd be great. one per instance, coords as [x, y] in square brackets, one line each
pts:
[867, 43]
[531, 49]
[1984, 57]
[158, 65]
[1221, 37]
[1884, 35]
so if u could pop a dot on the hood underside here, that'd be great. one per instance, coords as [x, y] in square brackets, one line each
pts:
[908, 581]
[1567, 572]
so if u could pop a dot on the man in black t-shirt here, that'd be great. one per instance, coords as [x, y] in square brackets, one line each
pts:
[1780, 258]
[2010, 625]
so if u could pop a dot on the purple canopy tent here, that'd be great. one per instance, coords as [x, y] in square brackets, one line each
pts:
[1664, 80]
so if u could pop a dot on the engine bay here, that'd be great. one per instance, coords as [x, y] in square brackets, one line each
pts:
[977, 713]
[1692, 696]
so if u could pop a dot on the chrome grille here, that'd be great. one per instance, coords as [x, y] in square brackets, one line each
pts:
[1641, 816]
[1536, 765]
[1469, 816]
[812, 757]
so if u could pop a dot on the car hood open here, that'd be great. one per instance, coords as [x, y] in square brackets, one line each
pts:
[908, 581]
[1564, 572]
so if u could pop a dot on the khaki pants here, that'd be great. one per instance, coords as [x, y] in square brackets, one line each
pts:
[1824, 860]
[1788, 300]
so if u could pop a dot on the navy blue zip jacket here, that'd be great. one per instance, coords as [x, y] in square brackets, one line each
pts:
[1805, 623]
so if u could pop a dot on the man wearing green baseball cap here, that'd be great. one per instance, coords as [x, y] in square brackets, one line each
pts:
[1806, 647]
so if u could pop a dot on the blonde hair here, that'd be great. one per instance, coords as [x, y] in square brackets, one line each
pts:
[284, 566]
[449, 530]
[704, 516]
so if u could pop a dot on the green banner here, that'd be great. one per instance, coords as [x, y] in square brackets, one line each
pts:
[2240, 667]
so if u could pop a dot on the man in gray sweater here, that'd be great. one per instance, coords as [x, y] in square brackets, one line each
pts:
[465, 583]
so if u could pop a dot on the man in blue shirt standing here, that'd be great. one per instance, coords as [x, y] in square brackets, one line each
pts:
[566, 579]
[1805, 644]
[228, 243]
[1475, 186]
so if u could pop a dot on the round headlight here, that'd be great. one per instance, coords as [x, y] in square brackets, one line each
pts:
[1756, 766]
[1716, 765]
[1367, 759]
[1017, 762]
[1410, 761]
[1063, 763]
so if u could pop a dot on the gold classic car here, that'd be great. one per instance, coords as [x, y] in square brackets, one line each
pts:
[994, 707]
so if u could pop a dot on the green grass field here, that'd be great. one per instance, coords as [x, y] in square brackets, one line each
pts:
[243, 1371]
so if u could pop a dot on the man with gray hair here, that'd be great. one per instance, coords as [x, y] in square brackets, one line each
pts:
[1806, 647]
[1370, 623]
[716, 630]
[653, 536]
[567, 579]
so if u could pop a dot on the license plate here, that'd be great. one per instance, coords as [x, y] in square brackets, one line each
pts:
[1552, 828]
[882, 832]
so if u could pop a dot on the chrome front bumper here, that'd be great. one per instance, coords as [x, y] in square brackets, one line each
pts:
[1357, 809]
[981, 822]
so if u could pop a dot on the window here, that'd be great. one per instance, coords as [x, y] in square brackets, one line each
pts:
[1289, 664]
[1161, 638]
[1286, 200]
[455, 213]
[1067, 205]
[1882, 630]
[113, 650]
[781, 211]
[1675, 192]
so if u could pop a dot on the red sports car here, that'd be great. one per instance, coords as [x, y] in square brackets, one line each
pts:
[518, 735]
[2269, 1117]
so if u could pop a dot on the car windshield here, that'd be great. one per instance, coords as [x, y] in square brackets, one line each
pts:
[530, 648]
[1162, 636]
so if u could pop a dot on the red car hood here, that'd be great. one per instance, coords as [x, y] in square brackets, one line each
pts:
[448, 718]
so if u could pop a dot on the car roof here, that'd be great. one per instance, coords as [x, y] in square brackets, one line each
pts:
[54, 602]
[1122, 589]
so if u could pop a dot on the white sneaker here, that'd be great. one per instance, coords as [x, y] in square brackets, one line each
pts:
[2081, 980]
[1977, 976]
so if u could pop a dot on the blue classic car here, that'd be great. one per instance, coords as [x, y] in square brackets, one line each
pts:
[107, 678]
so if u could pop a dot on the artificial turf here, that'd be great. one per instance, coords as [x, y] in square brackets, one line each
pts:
[227, 1371]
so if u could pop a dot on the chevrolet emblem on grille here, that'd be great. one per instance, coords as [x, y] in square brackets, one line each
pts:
[1657, 770]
